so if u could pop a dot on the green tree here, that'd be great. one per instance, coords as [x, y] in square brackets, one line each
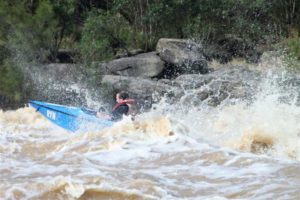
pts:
[104, 35]
[31, 33]
[36, 29]
[10, 81]
[68, 27]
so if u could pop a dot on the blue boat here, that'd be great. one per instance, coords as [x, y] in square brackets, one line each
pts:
[70, 118]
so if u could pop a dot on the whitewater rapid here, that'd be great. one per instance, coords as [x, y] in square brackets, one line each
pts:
[238, 150]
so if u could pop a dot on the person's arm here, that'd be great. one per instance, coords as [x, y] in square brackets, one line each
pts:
[103, 115]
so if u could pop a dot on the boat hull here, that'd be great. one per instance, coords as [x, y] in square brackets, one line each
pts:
[70, 118]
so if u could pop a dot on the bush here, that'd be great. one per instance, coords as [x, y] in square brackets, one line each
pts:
[31, 36]
[11, 80]
[293, 45]
[104, 35]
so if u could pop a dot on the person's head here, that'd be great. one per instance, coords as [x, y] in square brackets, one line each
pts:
[121, 96]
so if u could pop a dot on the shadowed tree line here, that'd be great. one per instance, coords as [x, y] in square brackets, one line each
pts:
[83, 31]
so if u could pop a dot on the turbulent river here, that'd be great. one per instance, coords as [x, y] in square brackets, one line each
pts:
[238, 150]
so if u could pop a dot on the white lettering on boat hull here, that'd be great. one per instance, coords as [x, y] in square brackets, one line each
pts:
[51, 114]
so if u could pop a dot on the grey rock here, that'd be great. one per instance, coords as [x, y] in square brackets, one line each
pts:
[185, 55]
[143, 65]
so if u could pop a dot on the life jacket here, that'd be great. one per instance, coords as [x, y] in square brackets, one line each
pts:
[131, 103]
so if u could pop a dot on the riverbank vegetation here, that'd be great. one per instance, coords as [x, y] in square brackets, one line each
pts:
[46, 31]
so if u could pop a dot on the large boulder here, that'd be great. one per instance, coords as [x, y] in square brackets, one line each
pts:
[185, 55]
[143, 65]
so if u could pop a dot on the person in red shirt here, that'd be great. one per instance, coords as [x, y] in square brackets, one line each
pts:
[124, 106]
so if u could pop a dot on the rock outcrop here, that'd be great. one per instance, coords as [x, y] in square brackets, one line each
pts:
[146, 65]
[184, 56]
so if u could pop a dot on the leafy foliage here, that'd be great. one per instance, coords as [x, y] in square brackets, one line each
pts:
[106, 34]
[293, 44]
[37, 29]
[30, 35]
[10, 81]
